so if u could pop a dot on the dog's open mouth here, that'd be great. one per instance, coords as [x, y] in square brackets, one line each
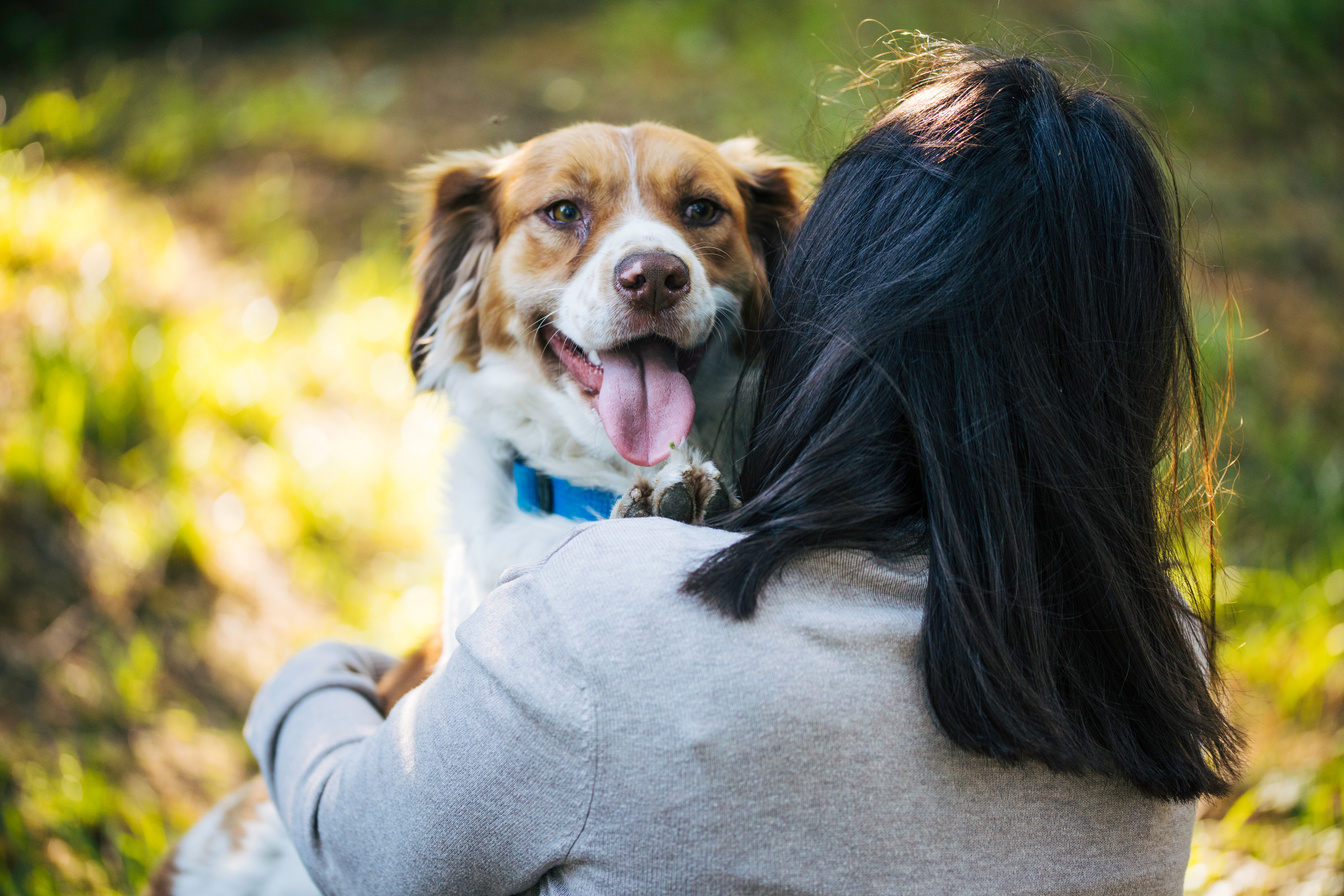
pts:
[642, 388]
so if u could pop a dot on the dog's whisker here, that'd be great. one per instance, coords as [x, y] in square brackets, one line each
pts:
[543, 321]
[710, 247]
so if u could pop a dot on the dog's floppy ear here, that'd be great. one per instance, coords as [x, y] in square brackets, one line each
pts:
[776, 190]
[456, 237]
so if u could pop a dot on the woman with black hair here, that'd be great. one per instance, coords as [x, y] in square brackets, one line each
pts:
[938, 649]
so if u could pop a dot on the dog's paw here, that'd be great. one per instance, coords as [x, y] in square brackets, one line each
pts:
[688, 488]
[638, 501]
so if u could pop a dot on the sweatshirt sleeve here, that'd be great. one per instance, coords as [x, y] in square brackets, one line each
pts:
[478, 782]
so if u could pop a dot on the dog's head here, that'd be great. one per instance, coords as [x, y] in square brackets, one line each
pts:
[588, 275]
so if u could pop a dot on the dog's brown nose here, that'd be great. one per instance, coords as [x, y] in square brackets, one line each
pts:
[653, 281]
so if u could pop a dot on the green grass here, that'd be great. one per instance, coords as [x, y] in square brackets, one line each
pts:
[209, 449]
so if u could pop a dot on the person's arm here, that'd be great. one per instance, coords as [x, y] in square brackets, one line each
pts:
[478, 782]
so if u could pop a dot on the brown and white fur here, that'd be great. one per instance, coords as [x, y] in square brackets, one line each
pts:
[524, 267]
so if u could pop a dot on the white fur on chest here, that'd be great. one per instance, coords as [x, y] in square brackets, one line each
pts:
[506, 415]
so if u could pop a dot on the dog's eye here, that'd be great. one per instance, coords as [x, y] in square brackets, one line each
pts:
[701, 211]
[564, 212]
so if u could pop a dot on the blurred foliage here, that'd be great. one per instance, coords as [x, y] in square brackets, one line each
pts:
[193, 482]
[41, 36]
[209, 450]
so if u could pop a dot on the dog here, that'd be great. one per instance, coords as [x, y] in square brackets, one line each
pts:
[587, 303]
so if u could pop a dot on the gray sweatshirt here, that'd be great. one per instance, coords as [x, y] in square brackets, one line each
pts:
[598, 732]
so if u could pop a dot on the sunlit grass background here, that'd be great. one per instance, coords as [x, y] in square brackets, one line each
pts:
[210, 451]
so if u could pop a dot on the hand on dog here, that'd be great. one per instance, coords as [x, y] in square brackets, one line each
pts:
[688, 488]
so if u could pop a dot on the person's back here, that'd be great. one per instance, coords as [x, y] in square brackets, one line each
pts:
[647, 744]
[795, 752]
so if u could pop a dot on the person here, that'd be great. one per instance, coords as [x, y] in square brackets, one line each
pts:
[940, 647]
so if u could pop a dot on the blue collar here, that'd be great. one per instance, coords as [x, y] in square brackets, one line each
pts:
[539, 493]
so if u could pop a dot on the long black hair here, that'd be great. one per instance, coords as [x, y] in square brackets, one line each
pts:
[981, 349]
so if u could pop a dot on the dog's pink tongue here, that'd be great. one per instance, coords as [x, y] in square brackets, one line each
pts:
[645, 402]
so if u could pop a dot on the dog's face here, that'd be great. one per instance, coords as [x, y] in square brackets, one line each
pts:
[598, 269]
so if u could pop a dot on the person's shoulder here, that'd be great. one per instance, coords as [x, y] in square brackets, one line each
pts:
[600, 591]
[653, 542]
[668, 539]
[622, 567]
